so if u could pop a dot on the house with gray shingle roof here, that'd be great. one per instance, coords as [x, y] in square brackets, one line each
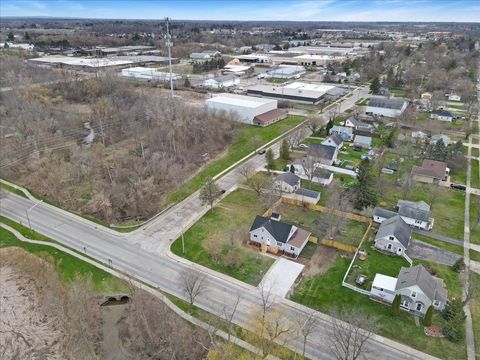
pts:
[274, 233]
[419, 290]
[393, 236]
[287, 182]
[322, 154]
[415, 213]
[333, 140]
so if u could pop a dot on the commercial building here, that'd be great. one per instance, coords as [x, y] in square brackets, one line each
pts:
[245, 108]
[389, 107]
[296, 91]
[204, 55]
[149, 74]
[221, 82]
[285, 71]
[121, 50]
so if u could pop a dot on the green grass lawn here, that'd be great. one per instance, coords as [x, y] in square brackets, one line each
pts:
[353, 157]
[312, 221]
[231, 217]
[240, 148]
[475, 179]
[277, 80]
[325, 293]
[398, 91]
[474, 212]
[362, 102]
[459, 175]
[312, 141]
[67, 265]
[475, 309]
[475, 151]
[441, 244]
[13, 190]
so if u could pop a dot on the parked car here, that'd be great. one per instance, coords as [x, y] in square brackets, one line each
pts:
[261, 151]
[357, 148]
[303, 146]
[458, 187]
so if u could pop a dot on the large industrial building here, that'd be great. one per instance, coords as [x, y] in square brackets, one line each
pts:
[149, 74]
[285, 71]
[390, 107]
[245, 108]
[296, 91]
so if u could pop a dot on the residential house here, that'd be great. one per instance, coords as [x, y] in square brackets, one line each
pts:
[278, 235]
[333, 140]
[363, 141]
[319, 176]
[381, 214]
[426, 96]
[221, 82]
[358, 125]
[204, 55]
[419, 290]
[322, 154]
[287, 182]
[415, 213]
[389, 107]
[346, 133]
[437, 137]
[383, 288]
[431, 172]
[453, 97]
[419, 135]
[442, 115]
[393, 236]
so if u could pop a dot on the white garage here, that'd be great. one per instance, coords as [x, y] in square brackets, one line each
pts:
[246, 108]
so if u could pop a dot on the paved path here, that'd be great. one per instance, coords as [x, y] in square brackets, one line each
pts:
[421, 250]
[281, 276]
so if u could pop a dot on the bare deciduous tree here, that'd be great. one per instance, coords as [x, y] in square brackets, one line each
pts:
[307, 324]
[193, 285]
[351, 330]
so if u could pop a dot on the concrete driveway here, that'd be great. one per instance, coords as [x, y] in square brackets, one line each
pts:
[423, 251]
[281, 276]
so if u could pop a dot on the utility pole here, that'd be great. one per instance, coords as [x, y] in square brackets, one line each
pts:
[169, 43]
[28, 210]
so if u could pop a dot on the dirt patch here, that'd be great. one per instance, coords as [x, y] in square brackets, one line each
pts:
[26, 330]
[320, 261]
[112, 344]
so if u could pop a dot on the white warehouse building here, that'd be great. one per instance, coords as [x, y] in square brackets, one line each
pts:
[390, 107]
[245, 107]
[149, 74]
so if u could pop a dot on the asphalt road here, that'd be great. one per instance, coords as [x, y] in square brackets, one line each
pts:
[144, 255]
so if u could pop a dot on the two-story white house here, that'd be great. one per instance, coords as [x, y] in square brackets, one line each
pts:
[322, 154]
[333, 140]
[287, 182]
[277, 234]
[393, 236]
[419, 290]
[414, 213]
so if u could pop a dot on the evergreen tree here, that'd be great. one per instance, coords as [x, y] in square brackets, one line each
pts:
[365, 190]
[395, 308]
[389, 140]
[375, 85]
[292, 169]
[284, 150]
[10, 36]
[270, 160]
[329, 126]
[427, 319]
[439, 151]
[390, 77]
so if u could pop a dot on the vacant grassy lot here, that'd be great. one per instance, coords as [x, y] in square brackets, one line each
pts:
[314, 221]
[459, 175]
[240, 148]
[325, 293]
[398, 91]
[362, 102]
[231, 217]
[475, 309]
[67, 265]
[474, 215]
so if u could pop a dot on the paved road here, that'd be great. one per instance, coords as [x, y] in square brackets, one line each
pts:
[440, 237]
[145, 255]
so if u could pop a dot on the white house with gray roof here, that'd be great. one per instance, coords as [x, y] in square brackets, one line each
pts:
[333, 140]
[419, 290]
[287, 182]
[277, 234]
[393, 236]
[414, 213]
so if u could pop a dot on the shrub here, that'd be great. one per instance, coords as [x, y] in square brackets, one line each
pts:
[427, 320]
[459, 265]
[395, 308]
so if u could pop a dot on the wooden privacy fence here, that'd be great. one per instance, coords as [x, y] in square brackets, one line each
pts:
[338, 245]
[319, 208]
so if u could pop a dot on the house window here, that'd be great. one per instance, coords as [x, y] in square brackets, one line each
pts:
[419, 307]
[436, 303]
[413, 294]
[405, 304]
[418, 221]
[292, 248]
[279, 244]
[391, 238]
[255, 235]
[389, 246]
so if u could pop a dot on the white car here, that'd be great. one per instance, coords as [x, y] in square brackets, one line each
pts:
[303, 146]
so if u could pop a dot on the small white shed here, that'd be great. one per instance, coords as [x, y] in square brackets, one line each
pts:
[383, 287]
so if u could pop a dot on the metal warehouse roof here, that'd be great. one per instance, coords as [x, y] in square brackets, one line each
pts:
[386, 103]
[239, 100]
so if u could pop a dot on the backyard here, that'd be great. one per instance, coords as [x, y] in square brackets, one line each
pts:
[325, 293]
[315, 222]
[229, 220]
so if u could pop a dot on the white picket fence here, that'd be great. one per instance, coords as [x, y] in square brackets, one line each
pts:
[354, 288]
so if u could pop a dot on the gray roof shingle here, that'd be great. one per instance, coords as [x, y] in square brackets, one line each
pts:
[308, 193]
[384, 213]
[397, 227]
[387, 103]
[279, 230]
[418, 210]
[321, 151]
[288, 177]
[431, 286]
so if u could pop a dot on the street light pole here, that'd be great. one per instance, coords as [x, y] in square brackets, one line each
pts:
[30, 209]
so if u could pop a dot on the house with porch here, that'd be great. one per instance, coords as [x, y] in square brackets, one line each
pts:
[333, 140]
[393, 236]
[277, 235]
[345, 132]
[431, 172]
[414, 213]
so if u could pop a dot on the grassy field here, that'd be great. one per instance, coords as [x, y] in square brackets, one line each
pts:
[240, 148]
[232, 216]
[475, 151]
[459, 175]
[277, 80]
[351, 156]
[325, 293]
[398, 91]
[312, 221]
[67, 265]
[13, 190]
[475, 179]
[474, 212]
[362, 102]
[475, 309]
[441, 244]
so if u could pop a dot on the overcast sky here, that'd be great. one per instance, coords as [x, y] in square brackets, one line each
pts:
[300, 10]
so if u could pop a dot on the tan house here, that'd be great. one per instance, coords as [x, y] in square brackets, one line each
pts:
[431, 172]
